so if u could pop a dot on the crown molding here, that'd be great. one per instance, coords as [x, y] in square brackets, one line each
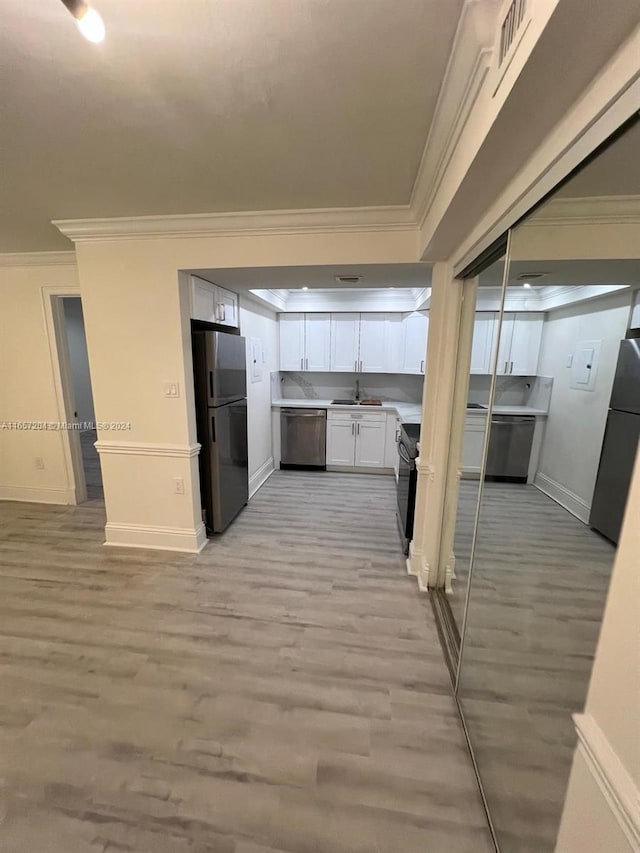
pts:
[591, 210]
[467, 68]
[37, 259]
[241, 223]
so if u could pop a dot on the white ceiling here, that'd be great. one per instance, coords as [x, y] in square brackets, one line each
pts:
[214, 105]
[413, 276]
[565, 273]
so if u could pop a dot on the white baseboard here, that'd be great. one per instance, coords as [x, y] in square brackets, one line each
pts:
[261, 476]
[355, 469]
[156, 538]
[616, 784]
[35, 494]
[565, 497]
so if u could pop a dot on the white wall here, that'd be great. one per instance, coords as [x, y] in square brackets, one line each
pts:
[576, 423]
[602, 807]
[79, 359]
[258, 322]
[27, 390]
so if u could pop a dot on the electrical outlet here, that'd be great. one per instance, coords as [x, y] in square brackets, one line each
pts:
[171, 389]
[178, 485]
[39, 463]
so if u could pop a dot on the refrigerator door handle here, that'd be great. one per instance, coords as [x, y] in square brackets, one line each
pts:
[211, 384]
[213, 429]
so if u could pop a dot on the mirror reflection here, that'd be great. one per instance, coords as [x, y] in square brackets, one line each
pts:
[564, 422]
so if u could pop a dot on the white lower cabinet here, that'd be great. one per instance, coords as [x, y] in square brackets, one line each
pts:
[370, 444]
[341, 442]
[356, 440]
[473, 444]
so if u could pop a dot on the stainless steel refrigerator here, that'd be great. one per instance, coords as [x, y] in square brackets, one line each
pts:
[620, 444]
[220, 381]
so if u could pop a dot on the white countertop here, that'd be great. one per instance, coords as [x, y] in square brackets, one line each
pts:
[409, 413]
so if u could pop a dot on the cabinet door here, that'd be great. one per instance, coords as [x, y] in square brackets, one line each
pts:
[345, 334]
[374, 340]
[341, 442]
[525, 344]
[504, 344]
[291, 327]
[226, 307]
[482, 346]
[473, 443]
[202, 300]
[415, 342]
[370, 444]
[317, 342]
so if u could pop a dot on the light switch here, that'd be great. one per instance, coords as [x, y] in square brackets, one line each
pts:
[569, 360]
[171, 389]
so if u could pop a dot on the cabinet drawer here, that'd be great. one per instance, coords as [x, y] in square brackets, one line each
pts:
[357, 415]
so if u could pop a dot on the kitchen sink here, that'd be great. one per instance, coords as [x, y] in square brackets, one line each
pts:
[345, 403]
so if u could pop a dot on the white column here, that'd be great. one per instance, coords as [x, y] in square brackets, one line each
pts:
[435, 436]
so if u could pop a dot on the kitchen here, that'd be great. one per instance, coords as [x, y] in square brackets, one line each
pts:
[346, 392]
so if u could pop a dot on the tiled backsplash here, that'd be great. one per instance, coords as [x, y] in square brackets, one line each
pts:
[405, 388]
[512, 390]
[400, 387]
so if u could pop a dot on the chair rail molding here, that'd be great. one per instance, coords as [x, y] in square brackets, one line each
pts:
[615, 782]
[141, 448]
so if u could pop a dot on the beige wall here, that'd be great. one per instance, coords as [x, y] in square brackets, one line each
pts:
[27, 389]
[136, 309]
[602, 808]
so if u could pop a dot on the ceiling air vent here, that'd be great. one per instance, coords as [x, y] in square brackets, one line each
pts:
[511, 24]
[348, 279]
[526, 276]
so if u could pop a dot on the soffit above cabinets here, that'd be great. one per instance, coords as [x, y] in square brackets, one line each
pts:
[345, 299]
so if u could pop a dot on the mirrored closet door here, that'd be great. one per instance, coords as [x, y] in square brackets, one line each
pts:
[536, 526]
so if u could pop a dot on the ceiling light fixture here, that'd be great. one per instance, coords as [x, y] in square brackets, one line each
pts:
[527, 285]
[89, 21]
[305, 288]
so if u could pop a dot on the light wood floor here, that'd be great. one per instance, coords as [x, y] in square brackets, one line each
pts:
[282, 691]
[538, 592]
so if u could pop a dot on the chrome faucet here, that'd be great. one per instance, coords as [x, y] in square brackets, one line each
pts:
[357, 397]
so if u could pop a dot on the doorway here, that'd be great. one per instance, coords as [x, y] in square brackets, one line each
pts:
[77, 397]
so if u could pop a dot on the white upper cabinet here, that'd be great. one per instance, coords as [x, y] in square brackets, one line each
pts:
[345, 340]
[291, 341]
[482, 346]
[305, 341]
[525, 344]
[202, 300]
[519, 346]
[226, 308]
[374, 343]
[213, 304]
[415, 328]
[317, 342]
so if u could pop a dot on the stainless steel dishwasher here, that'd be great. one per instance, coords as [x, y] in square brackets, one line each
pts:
[510, 448]
[303, 438]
